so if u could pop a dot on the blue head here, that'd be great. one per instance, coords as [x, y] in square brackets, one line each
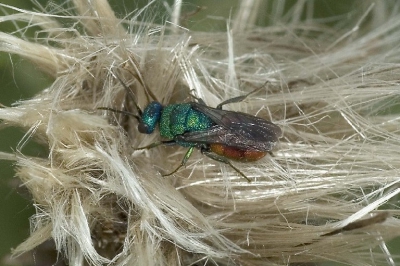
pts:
[150, 117]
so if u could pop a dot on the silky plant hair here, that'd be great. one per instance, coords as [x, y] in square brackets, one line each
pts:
[328, 191]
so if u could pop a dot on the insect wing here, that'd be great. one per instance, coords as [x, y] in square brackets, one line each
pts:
[219, 134]
[246, 128]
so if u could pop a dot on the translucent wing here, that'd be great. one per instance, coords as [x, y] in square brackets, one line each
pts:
[235, 129]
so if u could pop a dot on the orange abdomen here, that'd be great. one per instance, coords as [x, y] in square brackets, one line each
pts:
[237, 154]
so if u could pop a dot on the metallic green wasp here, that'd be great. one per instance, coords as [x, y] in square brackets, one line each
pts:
[219, 134]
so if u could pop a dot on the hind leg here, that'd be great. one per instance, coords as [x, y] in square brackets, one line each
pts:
[222, 159]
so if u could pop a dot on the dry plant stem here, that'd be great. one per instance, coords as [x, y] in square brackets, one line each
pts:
[330, 89]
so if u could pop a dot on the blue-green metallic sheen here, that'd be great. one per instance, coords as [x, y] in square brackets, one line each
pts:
[176, 119]
[150, 117]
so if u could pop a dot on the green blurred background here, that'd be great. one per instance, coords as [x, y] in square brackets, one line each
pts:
[20, 80]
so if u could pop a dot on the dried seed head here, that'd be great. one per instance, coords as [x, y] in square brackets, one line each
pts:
[102, 202]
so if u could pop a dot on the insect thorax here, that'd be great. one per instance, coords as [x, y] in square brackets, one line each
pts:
[177, 119]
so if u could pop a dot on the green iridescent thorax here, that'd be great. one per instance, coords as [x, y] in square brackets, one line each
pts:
[177, 119]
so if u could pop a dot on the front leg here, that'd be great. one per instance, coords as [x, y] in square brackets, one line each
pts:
[155, 144]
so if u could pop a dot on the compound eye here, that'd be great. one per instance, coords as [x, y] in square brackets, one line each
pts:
[143, 128]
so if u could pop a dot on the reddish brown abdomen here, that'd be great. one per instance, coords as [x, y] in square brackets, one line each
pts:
[237, 154]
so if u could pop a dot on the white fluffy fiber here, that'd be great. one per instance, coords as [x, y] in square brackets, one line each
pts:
[333, 90]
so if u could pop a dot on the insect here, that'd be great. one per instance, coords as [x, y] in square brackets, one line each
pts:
[219, 134]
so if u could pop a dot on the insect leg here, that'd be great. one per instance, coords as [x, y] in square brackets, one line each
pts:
[199, 100]
[155, 144]
[232, 100]
[222, 159]
[183, 162]
[237, 99]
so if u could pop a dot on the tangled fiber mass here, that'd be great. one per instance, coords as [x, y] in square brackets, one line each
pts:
[328, 193]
